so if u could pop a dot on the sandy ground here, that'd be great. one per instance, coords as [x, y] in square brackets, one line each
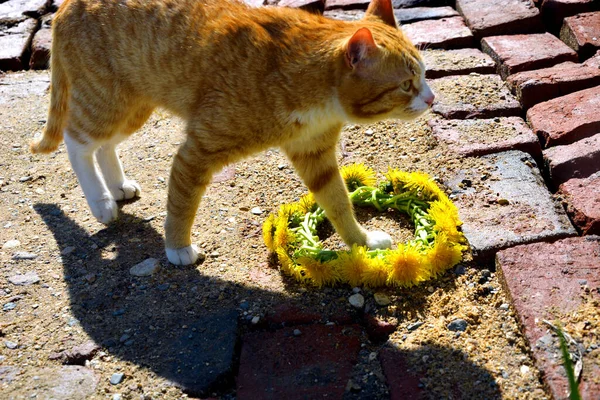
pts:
[80, 292]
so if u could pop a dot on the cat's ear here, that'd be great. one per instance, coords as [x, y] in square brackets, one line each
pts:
[383, 10]
[360, 46]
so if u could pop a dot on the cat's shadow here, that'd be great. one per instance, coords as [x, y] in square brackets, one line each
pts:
[178, 323]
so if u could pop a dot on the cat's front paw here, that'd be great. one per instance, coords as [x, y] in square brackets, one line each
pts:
[184, 256]
[126, 190]
[378, 240]
[105, 210]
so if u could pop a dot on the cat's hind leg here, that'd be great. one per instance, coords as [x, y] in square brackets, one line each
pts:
[108, 159]
[98, 196]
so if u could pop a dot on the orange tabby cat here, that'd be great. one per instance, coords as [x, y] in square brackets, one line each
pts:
[244, 79]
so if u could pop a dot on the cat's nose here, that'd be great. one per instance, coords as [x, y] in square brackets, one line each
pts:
[429, 99]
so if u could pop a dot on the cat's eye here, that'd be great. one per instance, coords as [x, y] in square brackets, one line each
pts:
[405, 85]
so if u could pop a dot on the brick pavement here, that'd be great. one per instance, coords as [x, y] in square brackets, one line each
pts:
[545, 263]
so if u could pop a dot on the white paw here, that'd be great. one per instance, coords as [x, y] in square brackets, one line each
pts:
[184, 256]
[127, 190]
[105, 210]
[378, 240]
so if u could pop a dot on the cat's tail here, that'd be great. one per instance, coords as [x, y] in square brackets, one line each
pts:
[59, 101]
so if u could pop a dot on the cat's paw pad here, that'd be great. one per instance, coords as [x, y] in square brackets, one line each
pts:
[105, 210]
[378, 240]
[126, 190]
[184, 256]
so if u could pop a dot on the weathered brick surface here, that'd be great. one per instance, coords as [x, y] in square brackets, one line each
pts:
[445, 33]
[404, 382]
[582, 33]
[500, 17]
[477, 137]
[347, 4]
[419, 3]
[473, 96]
[568, 118]
[317, 6]
[503, 202]
[582, 198]
[280, 365]
[518, 53]
[254, 3]
[14, 11]
[440, 63]
[41, 44]
[14, 45]
[403, 15]
[543, 279]
[594, 61]
[533, 87]
[555, 11]
[575, 160]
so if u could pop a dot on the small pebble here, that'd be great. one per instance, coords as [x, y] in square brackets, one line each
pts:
[116, 378]
[414, 325]
[11, 244]
[26, 279]
[24, 255]
[372, 356]
[504, 306]
[458, 325]
[355, 290]
[297, 332]
[118, 312]
[357, 300]
[146, 268]
[255, 320]
[10, 345]
[524, 369]
[382, 299]
[256, 211]
[369, 132]
[503, 202]
[67, 250]
[116, 396]
[9, 306]
[25, 178]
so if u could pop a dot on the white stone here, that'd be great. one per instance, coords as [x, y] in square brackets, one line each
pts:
[357, 300]
[145, 268]
[11, 244]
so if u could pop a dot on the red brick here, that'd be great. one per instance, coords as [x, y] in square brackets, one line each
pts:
[477, 137]
[527, 214]
[419, 3]
[41, 44]
[473, 96]
[290, 315]
[317, 6]
[518, 53]
[533, 87]
[555, 11]
[582, 34]
[347, 4]
[491, 18]
[14, 45]
[403, 15]
[594, 61]
[401, 379]
[582, 198]
[576, 160]
[566, 119]
[440, 63]
[445, 33]
[542, 279]
[315, 364]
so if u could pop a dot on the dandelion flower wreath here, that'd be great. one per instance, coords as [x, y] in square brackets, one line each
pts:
[437, 245]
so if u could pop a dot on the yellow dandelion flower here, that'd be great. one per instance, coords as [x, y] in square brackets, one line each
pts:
[283, 236]
[268, 229]
[399, 179]
[351, 265]
[420, 181]
[286, 210]
[356, 175]
[408, 266]
[320, 273]
[288, 266]
[307, 203]
[446, 219]
[443, 255]
[376, 273]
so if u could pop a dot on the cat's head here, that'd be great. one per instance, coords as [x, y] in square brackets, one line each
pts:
[383, 75]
